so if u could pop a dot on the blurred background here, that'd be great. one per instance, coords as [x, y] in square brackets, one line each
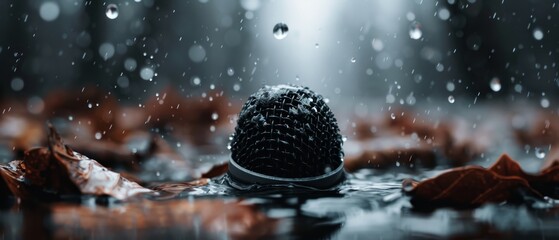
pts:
[400, 52]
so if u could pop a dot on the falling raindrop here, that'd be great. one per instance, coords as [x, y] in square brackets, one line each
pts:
[196, 81]
[215, 116]
[316, 45]
[112, 11]
[538, 34]
[146, 73]
[540, 153]
[280, 31]
[230, 71]
[17, 84]
[236, 87]
[544, 103]
[451, 99]
[353, 60]
[49, 11]
[495, 84]
[415, 30]
[98, 135]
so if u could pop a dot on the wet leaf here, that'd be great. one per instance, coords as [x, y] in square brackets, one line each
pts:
[59, 170]
[171, 190]
[209, 218]
[473, 185]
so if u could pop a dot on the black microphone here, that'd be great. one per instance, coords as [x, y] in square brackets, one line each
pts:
[287, 134]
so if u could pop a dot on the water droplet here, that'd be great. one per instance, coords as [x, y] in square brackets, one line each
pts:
[17, 84]
[98, 135]
[212, 128]
[112, 11]
[353, 60]
[316, 45]
[229, 146]
[196, 80]
[544, 102]
[297, 78]
[35, 105]
[89, 105]
[495, 84]
[157, 174]
[280, 31]
[230, 71]
[344, 138]
[415, 30]
[540, 153]
[451, 99]
[538, 34]
[106, 50]
[392, 116]
[397, 164]
[146, 73]
[236, 87]
[215, 116]
[49, 11]
[70, 118]
[130, 64]
[197, 53]
[450, 86]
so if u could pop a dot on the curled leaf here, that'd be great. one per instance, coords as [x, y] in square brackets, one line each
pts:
[59, 170]
[473, 185]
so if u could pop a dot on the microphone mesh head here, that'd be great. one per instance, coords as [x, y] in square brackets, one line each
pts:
[287, 131]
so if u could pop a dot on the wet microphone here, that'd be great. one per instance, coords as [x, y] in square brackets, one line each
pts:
[287, 135]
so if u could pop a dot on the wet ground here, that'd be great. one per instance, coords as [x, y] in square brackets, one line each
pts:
[369, 204]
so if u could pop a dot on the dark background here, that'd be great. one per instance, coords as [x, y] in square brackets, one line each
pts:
[464, 45]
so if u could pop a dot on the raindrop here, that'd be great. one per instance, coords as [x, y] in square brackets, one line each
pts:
[297, 78]
[49, 11]
[236, 87]
[540, 153]
[415, 30]
[230, 71]
[17, 84]
[112, 11]
[538, 34]
[106, 50]
[444, 14]
[450, 86]
[353, 60]
[130, 64]
[197, 53]
[280, 31]
[146, 73]
[35, 105]
[70, 118]
[495, 84]
[215, 116]
[89, 105]
[98, 135]
[212, 128]
[122, 82]
[196, 81]
[397, 164]
[544, 102]
[451, 99]
[316, 45]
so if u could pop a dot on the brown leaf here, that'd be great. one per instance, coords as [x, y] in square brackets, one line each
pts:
[473, 185]
[90, 176]
[236, 220]
[59, 170]
[464, 187]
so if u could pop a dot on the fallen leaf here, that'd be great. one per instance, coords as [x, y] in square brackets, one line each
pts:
[59, 170]
[473, 185]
